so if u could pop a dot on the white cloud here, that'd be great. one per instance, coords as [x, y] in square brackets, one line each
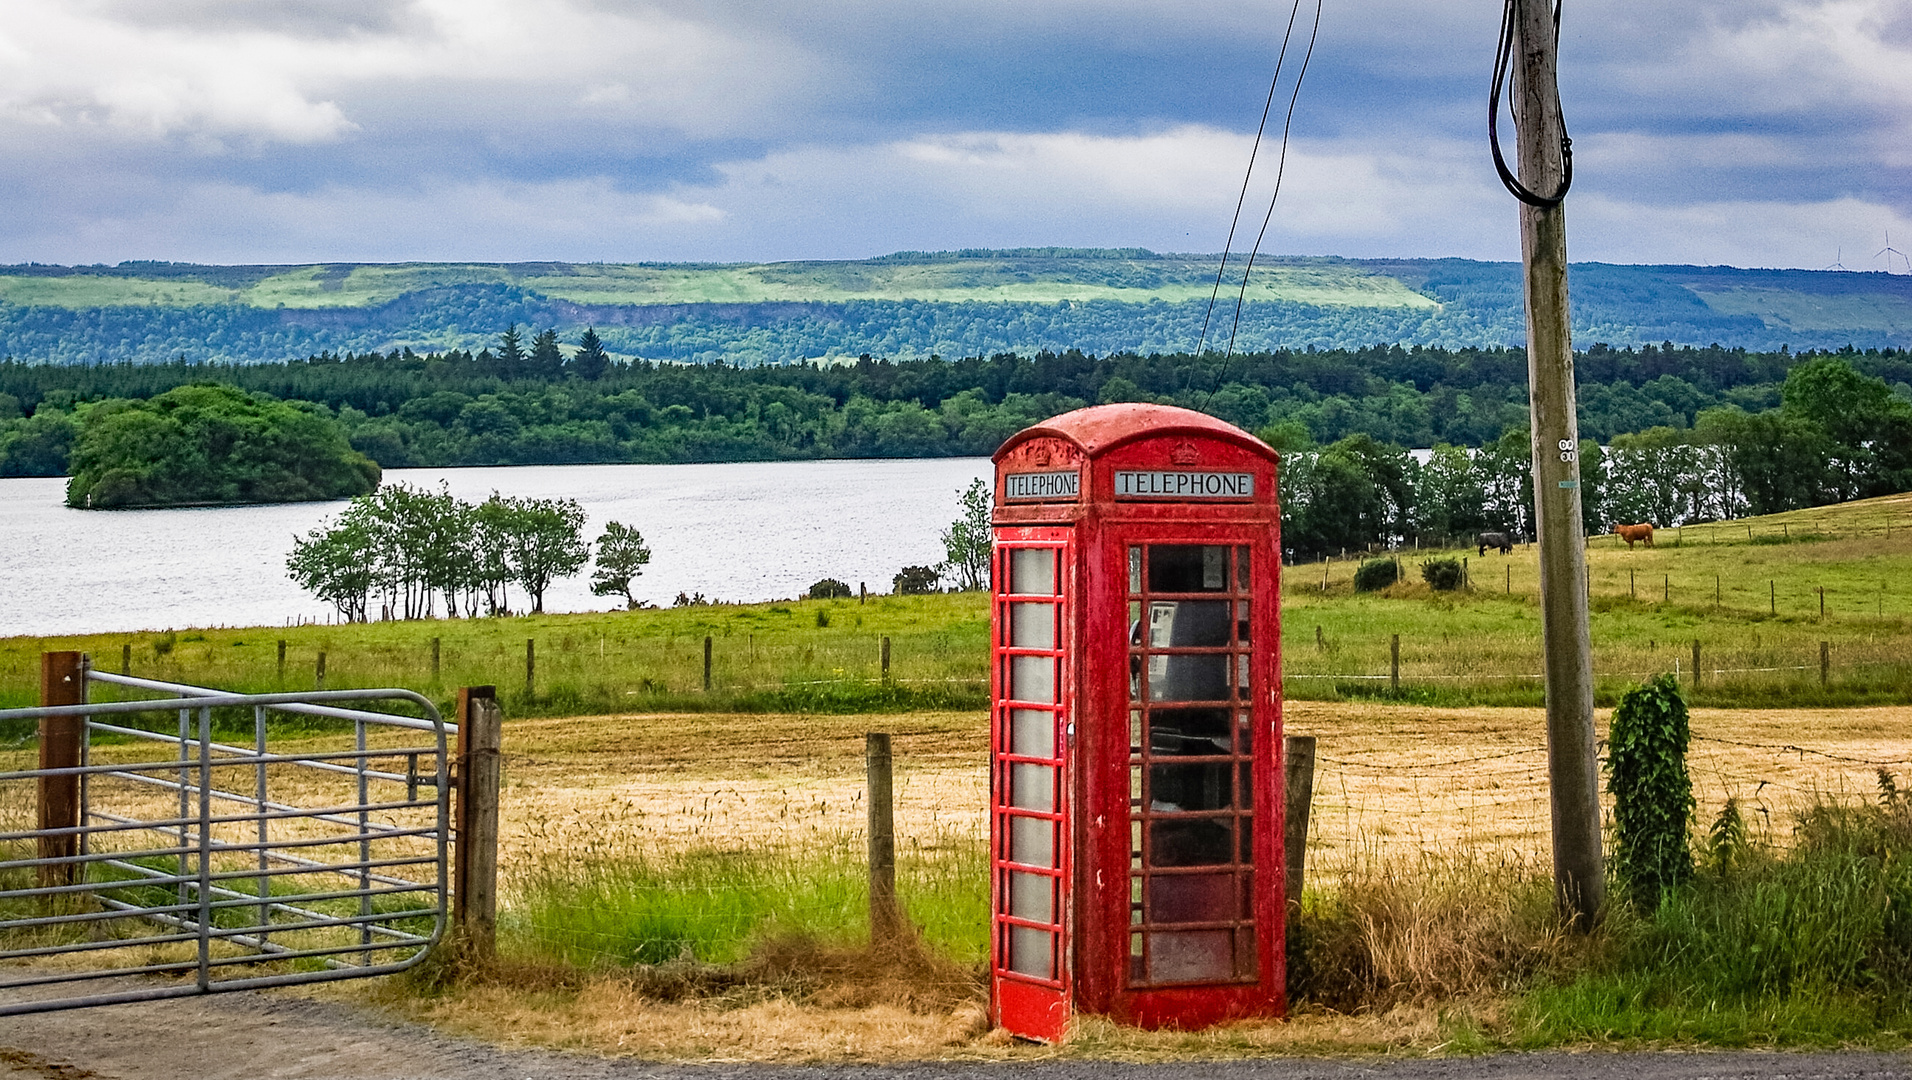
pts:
[1776, 233]
[63, 62]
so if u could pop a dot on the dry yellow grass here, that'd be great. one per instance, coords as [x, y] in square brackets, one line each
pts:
[1395, 784]
[1390, 777]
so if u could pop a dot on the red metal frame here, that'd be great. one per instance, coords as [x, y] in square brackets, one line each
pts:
[1155, 930]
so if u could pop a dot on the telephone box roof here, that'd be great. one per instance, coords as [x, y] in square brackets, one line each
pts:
[1101, 428]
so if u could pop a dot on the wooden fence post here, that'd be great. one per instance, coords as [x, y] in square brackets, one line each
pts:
[886, 659]
[706, 661]
[1825, 662]
[1298, 764]
[126, 658]
[530, 668]
[475, 865]
[1696, 663]
[62, 682]
[884, 917]
[435, 645]
[1822, 603]
[318, 672]
[1394, 664]
[281, 662]
[862, 592]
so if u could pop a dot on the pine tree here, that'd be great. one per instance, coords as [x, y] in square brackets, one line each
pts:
[547, 360]
[511, 356]
[591, 360]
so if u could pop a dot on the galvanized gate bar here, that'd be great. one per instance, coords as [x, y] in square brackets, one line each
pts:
[106, 895]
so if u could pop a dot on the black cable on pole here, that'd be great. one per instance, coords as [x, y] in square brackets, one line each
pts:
[1242, 199]
[1281, 168]
[1503, 76]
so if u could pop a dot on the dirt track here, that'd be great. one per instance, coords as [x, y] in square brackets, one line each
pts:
[252, 1036]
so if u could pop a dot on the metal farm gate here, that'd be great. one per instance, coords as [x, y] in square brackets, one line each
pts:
[170, 847]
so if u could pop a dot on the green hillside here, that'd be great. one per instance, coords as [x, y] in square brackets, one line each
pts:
[911, 304]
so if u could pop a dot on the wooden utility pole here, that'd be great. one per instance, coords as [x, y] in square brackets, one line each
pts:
[1572, 763]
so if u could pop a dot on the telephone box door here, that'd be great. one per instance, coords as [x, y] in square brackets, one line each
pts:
[1030, 780]
[1204, 893]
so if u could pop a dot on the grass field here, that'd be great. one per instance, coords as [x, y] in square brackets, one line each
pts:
[675, 843]
[1759, 640]
[682, 871]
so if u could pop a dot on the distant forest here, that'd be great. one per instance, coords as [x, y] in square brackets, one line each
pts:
[534, 403]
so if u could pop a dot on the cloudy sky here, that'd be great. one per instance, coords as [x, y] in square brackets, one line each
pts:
[1748, 132]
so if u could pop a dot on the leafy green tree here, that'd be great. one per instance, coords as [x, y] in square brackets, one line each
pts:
[1449, 495]
[968, 540]
[337, 563]
[1778, 461]
[1867, 426]
[541, 540]
[915, 580]
[212, 444]
[591, 361]
[39, 445]
[621, 557]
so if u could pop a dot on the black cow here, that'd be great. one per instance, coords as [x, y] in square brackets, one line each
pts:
[1499, 540]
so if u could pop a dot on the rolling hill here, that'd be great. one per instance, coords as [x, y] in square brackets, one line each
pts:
[911, 304]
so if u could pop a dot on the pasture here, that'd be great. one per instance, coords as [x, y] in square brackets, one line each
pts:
[1748, 591]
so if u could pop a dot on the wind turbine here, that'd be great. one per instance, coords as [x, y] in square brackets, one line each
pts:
[1838, 253]
[1888, 251]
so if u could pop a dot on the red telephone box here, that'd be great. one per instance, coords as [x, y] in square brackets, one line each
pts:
[1136, 817]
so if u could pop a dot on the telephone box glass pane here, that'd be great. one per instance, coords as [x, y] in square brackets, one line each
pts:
[1032, 571]
[1033, 678]
[1174, 788]
[1032, 841]
[1200, 677]
[1191, 955]
[1187, 568]
[1175, 841]
[1032, 733]
[1032, 787]
[1032, 952]
[1188, 732]
[1188, 624]
[1032, 897]
[1032, 626]
[1187, 898]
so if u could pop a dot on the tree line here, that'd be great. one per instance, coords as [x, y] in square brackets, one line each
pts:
[1837, 435]
[546, 401]
[400, 552]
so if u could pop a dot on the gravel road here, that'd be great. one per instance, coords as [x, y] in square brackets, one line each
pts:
[250, 1036]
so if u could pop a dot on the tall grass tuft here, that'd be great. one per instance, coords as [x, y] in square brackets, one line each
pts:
[597, 910]
[1386, 933]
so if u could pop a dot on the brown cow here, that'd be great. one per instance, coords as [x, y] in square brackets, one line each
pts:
[1642, 532]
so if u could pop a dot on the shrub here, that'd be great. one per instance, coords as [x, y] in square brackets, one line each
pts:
[915, 580]
[1376, 574]
[1443, 575]
[1652, 793]
[829, 589]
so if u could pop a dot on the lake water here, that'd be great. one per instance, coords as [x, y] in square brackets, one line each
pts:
[733, 531]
